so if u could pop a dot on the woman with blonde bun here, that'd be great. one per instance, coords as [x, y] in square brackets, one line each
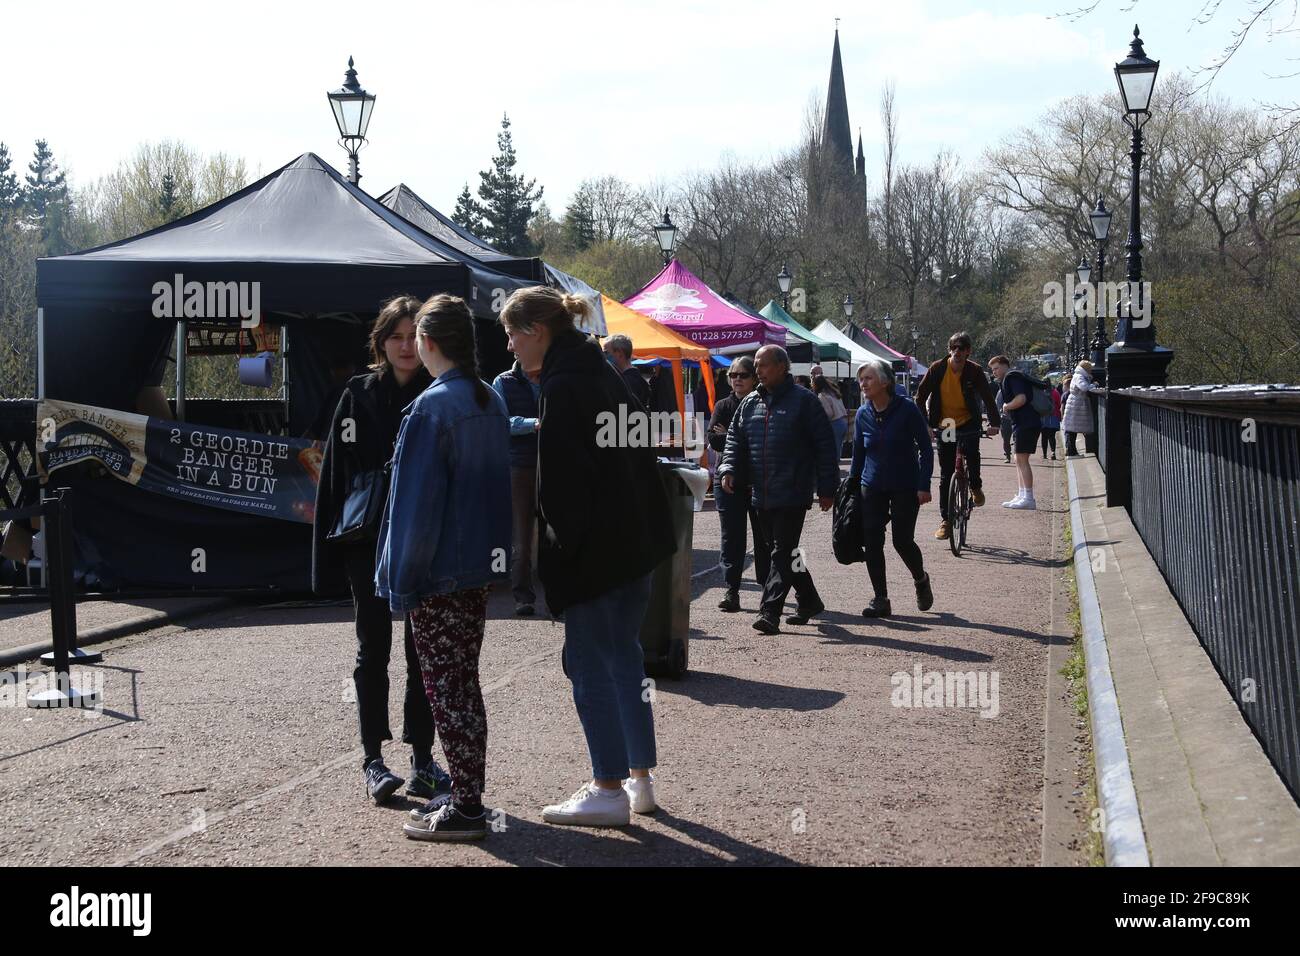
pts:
[603, 526]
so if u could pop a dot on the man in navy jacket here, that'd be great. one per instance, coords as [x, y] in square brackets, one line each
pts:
[781, 445]
[520, 390]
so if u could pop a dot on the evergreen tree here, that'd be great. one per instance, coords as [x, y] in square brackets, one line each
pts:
[45, 199]
[580, 220]
[10, 194]
[467, 213]
[167, 198]
[507, 199]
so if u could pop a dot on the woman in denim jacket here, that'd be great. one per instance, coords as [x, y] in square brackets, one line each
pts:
[445, 537]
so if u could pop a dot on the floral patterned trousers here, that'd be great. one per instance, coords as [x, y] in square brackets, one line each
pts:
[448, 634]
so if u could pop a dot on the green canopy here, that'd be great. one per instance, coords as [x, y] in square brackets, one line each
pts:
[829, 351]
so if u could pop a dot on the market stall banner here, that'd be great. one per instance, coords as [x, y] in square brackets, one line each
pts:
[239, 471]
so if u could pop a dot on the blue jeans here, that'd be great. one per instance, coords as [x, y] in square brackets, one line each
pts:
[839, 429]
[604, 660]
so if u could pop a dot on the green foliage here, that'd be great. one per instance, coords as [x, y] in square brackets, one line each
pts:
[580, 220]
[506, 199]
[467, 214]
[10, 194]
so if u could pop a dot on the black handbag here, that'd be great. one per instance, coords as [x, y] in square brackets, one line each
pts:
[363, 509]
[846, 524]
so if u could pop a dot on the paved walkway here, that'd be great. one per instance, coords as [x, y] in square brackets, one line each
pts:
[234, 740]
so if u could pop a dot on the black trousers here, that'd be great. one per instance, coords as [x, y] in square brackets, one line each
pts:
[735, 512]
[1070, 446]
[370, 676]
[969, 440]
[782, 527]
[1049, 441]
[900, 509]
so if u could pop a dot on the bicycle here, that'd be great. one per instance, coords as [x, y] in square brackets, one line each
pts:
[960, 504]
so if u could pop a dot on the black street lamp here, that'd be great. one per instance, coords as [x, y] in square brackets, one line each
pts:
[783, 280]
[1136, 76]
[916, 337]
[1084, 273]
[1074, 333]
[889, 324]
[666, 233]
[352, 108]
[1100, 219]
[848, 310]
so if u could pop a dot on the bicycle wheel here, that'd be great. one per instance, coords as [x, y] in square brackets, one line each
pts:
[967, 507]
[957, 514]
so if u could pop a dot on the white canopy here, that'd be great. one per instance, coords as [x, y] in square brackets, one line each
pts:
[831, 334]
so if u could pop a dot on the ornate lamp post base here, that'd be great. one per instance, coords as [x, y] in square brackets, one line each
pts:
[1127, 366]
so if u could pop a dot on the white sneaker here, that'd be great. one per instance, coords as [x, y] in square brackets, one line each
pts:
[1024, 504]
[591, 806]
[641, 793]
[1014, 502]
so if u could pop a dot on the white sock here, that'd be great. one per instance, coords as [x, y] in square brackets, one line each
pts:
[1027, 494]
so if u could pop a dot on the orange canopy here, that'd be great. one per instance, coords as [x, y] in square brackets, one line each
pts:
[651, 339]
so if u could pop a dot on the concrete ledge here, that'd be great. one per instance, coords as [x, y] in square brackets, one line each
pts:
[108, 632]
[1206, 791]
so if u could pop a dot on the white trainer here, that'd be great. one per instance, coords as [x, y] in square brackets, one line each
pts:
[641, 793]
[1014, 502]
[1024, 504]
[591, 806]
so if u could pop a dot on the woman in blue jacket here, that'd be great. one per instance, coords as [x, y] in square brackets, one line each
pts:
[893, 463]
[445, 537]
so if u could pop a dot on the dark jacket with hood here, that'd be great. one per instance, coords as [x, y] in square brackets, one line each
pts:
[781, 446]
[375, 404]
[974, 388]
[514, 386]
[603, 517]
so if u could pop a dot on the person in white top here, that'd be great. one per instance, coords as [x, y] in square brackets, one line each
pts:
[830, 398]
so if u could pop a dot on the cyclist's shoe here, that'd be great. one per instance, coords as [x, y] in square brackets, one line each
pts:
[944, 531]
[924, 596]
[977, 497]
[879, 607]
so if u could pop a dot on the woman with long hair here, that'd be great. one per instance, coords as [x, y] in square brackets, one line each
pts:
[831, 400]
[358, 447]
[445, 538]
[604, 525]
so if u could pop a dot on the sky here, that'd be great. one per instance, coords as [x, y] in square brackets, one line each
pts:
[645, 91]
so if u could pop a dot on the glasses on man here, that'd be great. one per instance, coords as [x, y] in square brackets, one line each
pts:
[739, 375]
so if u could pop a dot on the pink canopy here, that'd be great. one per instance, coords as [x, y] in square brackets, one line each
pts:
[912, 363]
[678, 299]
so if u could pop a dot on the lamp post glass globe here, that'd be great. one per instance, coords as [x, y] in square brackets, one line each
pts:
[848, 306]
[352, 107]
[1084, 271]
[666, 234]
[1136, 76]
[1100, 219]
[783, 280]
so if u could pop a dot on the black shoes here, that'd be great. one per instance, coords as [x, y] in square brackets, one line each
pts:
[766, 625]
[433, 806]
[428, 781]
[924, 596]
[801, 616]
[879, 607]
[731, 602]
[381, 783]
[524, 610]
[447, 825]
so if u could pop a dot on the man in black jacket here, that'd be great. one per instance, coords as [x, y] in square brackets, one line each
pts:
[619, 350]
[950, 394]
[780, 443]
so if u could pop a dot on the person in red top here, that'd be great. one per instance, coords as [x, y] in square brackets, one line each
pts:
[1052, 424]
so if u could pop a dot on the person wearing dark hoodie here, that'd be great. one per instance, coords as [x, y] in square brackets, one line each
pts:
[445, 538]
[520, 391]
[604, 525]
[358, 447]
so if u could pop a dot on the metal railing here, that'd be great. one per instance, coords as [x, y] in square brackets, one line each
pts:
[1100, 419]
[1216, 499]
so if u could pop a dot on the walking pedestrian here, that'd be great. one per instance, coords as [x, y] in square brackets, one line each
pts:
[604, 527]
[1078, 419]
[1017, 403]
[951, 393]
[350, 500]
[1006, 425]
[780, 443]
[838, 415]
[734, 510]
[445, 538]
[892, 466]
[520, 388]
[1052, 424]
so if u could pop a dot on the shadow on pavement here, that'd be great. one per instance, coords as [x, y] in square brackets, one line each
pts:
[529, 843]
[722, 689]
[117, 718]
[998, 555]
[834, 634]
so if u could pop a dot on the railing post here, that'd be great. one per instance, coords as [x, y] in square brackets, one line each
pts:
[1127, 367]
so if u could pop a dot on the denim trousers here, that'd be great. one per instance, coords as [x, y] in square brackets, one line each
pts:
[604, 660]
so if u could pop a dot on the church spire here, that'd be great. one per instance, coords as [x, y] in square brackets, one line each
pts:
[837, 136]
[861, 166]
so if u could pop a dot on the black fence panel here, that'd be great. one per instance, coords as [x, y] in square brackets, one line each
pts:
[1101, 431]
[17, 448]
[1216, 499]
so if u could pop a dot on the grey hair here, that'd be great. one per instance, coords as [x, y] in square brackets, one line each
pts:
[780, 354]
[620, 343]
[883, 371]
[742, 363]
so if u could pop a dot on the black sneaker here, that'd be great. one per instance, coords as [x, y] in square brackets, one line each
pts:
[766, 625]
[924, 596]
[731, 602]
[524, 610]
[879, 607]
[428, 781]
[381, 783]
[447, 825]
[801, 616]
[419, 813]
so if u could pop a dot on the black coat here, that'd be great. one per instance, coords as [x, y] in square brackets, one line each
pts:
[603, 517]
[974, 389]
[375, 405]
[723, 412]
